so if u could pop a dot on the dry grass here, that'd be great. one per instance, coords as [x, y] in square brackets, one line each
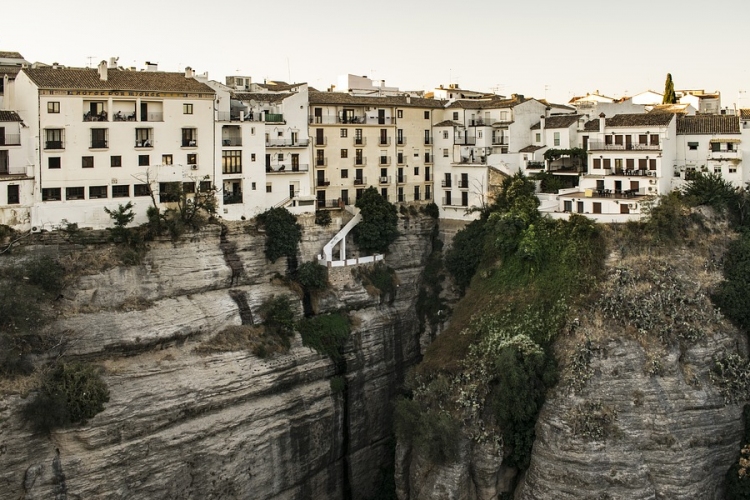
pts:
[240, 338]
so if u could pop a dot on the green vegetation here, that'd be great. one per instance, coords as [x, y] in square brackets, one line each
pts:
[312, 276]
[578, 155]
[379, 279]
[465, 254]
[278, 317]
[377, 230]
[323, 218]
[431, 209]
[283, 233]
[551, 183]
[326, 333]
[432, 432]
[121, 217]
[732, 296]
[669, 95]
[431, 308]
[738, 475]
[71, 393]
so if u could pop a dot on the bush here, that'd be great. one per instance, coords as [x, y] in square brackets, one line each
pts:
[711, 190]
[464, 255]
[433, 433]
[432, 210]
[382, 278]
[338, 384]
[312, 276]
[323, 217]
[731, 295]
[46, 273]
[326, 333]
[283, 233]
[377, 230]
[72, 393]
[278, 317]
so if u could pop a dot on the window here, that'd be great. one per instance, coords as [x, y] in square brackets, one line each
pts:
[652, 164]
[445, 152]
[426, 115]
[192, 159]
[120, 191]
[597, 207]
[166, 159]
[344, 132]
[607, 139]
[188, 187]
[169, 192]
[252, 131]
[642, 163]
[268, 187]
[445, 134]
[455, 115]
[416, 193]
[655, 139]
[231, 162]
[87, 162]
[98, 138]
[252, 156]
[51, 194]
[280, 157]
[607, 163]
[115, 161]
[53, 162]
[253, 186]
[13, 195]
[464, 198]
[630, 163]
[344, 173]
[557, 138]
[692, 146]
[53, 138]
[74, 193]
[205, 186]
[189, 137]
[53, 107]
[732, 170]
[143, 138]
[597, 163]
[141, 190]
[399, 113]
[503, 116]
[538, 137]
[618, 140]
[642, 139]
[618, 163]
[416, 170]
[717, 169]
[97, 192]
[144, 160]
[187, 109]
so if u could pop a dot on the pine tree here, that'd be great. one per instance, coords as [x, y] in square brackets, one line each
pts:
[669, 95]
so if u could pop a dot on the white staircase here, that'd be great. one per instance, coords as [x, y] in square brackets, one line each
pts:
[327, 258]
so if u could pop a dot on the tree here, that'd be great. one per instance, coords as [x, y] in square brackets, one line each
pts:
[669, 95]
[121, 217]
[377, 230]
[283, 233]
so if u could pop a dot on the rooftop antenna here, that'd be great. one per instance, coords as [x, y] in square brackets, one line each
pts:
[497, 88]
[546, 88]
[288, 71]
[90, 58]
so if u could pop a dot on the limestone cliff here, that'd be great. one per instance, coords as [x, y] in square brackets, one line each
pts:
[187, 424]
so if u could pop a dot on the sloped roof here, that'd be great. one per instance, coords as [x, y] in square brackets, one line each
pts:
[278, 86]
[448, 123]
[9, 116]
[640, 120]
[10, 55]
[117, 79]
[497, 103]
[261, 96]
[344, 98]
[591, 126]
[745, 114]
[558, 121]
[11, 71]
[670, 108]
[707, 124]
[530, 149]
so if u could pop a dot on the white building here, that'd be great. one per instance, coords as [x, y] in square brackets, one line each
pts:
[108, 136]
[709, 144]
[16, 171]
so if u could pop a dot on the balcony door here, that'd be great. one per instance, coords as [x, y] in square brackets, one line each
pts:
[381, 117]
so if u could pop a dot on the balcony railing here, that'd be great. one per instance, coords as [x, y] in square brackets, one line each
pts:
[428, 141]
[12, 169]
[322, 182]
[360, 181]
[287, 169]
[465, 140]
[10, 140]
[287, 143]
[189, 143]
[481, 122]
[401, 160]
[321, 162]
[463, 184]
[446, 183]
[351, 120]
[123, 117]
[274, 118]
[384, 160]
[384, 141]
[500, 141]
[477, 160]
[232, 198]
[603, 146]
[358, 162]
[329, 203]
[427, 177]
[146, 143]
[95, 117]
[724, 154]
[400, 141]
[401, 179]
[360, 141]
[231, 141]
[156, 116]
[384, 180]
[98, 144]
[428, 158]
[54, 145]
[534, 165]
[321, 141]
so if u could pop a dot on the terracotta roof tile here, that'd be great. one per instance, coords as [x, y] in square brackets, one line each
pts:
[117, 79]
[640, 120]
[488, 103]
[745, 114]
[10, 55]
[591, 126]
[261, 96]
[707, 124]
[559, 121]
[530, 149]
[344, 98]
[9, 116]
[448, 123]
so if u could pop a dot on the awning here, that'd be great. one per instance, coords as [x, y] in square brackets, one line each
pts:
[731, 141]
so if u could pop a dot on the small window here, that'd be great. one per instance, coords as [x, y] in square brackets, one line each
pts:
[399, 113]
[97, 192]
[115, 161]
[280, 157]
[252, 156]
[14, 197]
[732, 170]
[345, 153]
[416, 170]
[205, 186]
[252, 130]
[344, 132]
[74, 193]
[557, 138]
[252, 186]
[455, 115]
[445, 153]
[143, 160]
[54, 162]
[692, 146]
[187, 109]
[51, 194]
[166, 159]
[538, 137]
[121, 191]
[141, 190]
[426, 115]
[344, 173]
[192, 158]
[655, 139]
[717, 169]
[53, 107]
[188, 187]
[87, 162]
[445, 134]
[268, 187]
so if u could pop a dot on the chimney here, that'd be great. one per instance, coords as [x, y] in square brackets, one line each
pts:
[408, 99]
[113, 62]
[601, 123]
[151, 66]
[189, 72]
[541, 124]
[103, 71]
[547, 110]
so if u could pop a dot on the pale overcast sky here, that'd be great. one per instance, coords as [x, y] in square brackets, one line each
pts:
[552, 47]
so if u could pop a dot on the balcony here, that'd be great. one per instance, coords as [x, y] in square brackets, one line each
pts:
[359, 162]
[287, 143]
[463, 184]
[384, 160]
[95, 117]
[351, 120]
[446, 183]
[469, 160]
[464, 140]
[384, 180]
[400, 141]
[360, 141]
[360, 181]
[329, 204]
[401, 160]
[123, 117]
[54, 145]
[427, 177]
[98, 144]
[274, 118]
[287, 169]
[153, 117]
[232, 198]
[231, 141]
[500, 141]
[603, 146]
[321, 141]
[322, 182]
[10, 140]
[321, 162]
[534, 165]
[428, 141]
[146, 143]
[401, 179]
[450, 202]
[189, 143]
[428, 158]
[724, 154]
[384, 141]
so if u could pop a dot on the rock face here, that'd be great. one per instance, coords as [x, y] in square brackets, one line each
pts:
[183, 424]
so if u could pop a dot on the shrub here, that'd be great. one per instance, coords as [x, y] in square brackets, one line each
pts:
[338, 384]
[711, 190]
[464, 255]
[382, 278]
[323, 217]
[46, 273]
[72, 393]
[283, 233]
[326, 333]
[278, 317]
[432, 210]
[435, 434]
[312, 276]
[121, 217]
[377, 230]
[731, 295]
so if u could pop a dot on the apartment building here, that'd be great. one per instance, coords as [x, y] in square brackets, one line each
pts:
[110, 135]
[380, 141]
[708, 144]
[16, 171]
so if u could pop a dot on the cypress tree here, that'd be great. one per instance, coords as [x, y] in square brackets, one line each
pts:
[669, 95]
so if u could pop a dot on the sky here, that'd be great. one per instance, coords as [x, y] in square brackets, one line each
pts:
[544, 48]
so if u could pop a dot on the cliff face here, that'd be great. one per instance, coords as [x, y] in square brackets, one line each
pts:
[187, 424]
